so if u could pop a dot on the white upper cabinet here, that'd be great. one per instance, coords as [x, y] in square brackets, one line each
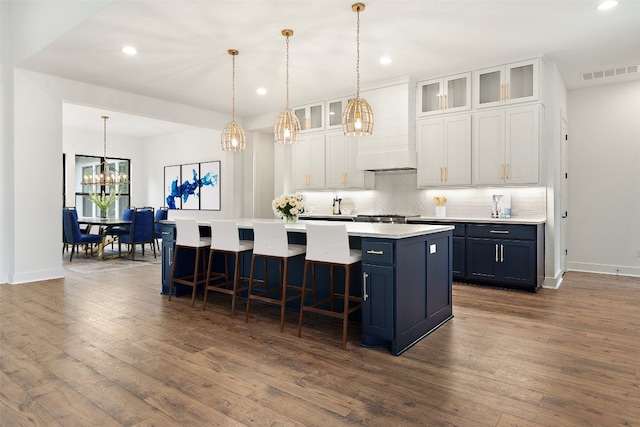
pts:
[308, 156]
[507, 84]
[311, 116]
[506, 145]
[445, 95]
[334, 110]
[444, 151]
[341, 171]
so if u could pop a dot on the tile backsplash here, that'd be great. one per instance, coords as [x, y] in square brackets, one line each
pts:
[396, 192]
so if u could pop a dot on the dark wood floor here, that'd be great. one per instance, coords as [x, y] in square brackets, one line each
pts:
[109, 350]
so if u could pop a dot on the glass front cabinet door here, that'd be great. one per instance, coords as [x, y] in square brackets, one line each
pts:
[334, 110]
[311, 117]
[445, 95]
[507, 84]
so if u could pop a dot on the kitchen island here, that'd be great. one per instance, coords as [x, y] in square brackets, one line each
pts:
[405, 283]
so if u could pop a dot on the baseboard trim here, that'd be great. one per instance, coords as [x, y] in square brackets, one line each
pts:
[622, 270]
[36, 276]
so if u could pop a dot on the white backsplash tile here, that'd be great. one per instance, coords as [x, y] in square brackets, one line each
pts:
[396, 192]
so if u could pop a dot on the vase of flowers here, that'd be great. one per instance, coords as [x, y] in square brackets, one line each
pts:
[103, 201]
[289, 207]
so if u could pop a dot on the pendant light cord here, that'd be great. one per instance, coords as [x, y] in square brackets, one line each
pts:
[233, 88]
[105, 139]
[287, 74]
[358, 55]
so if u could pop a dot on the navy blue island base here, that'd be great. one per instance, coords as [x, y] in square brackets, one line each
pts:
[405, 280]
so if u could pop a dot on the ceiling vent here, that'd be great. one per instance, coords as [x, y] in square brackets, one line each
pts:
[611, 72]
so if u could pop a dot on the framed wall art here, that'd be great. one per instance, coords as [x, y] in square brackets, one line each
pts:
[193, 186]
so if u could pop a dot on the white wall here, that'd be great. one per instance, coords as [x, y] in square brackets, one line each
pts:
[31, 228]
[193, 146]
[604, 179]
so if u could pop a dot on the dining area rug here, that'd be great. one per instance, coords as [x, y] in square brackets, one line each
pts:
[86, 264]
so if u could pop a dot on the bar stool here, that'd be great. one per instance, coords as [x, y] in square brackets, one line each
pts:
[225, 239]
[329, 245]
[188, 237]
[270, 241]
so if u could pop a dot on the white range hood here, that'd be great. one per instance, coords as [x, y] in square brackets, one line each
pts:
[392, 145]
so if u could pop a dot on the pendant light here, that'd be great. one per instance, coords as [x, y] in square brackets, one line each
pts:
[105, 174]
[233, 137]
[287, 127]
[357, 119]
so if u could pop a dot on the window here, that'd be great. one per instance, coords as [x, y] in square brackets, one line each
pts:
[85, 166]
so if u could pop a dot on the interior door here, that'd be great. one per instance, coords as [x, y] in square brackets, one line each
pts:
[564, 195]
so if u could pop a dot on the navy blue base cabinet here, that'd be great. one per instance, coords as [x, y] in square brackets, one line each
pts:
[407, 290]
[498, 254]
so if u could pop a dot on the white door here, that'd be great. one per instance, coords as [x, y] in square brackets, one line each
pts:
[564, 196]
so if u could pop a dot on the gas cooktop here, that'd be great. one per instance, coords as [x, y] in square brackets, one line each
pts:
[388, 218]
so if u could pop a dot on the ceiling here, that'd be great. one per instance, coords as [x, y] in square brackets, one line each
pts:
[182, 45]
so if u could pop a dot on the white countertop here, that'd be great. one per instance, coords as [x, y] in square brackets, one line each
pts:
[359, 229]
[479, 220]
[525, 221]
[364, 229]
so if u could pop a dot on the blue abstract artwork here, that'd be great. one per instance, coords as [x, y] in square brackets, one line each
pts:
[172, 192]
[192, 186]
[210, 186]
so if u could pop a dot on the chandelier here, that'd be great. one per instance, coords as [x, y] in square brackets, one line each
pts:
[287, 127]
[105, 174]
[233, 137]
[357, 119]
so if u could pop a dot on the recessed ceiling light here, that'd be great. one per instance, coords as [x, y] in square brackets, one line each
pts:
[385, 60]
[129, 50]
[607, 5]
[261, 91]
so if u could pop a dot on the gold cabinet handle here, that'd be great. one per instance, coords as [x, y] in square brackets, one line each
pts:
[307, 123]
[506, 171]
[506, 91]
[445, 101]
[446, 178]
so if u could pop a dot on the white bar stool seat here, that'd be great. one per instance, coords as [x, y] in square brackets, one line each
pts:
[328, 244]
[270, 241]
[188, 237]
[225, 238]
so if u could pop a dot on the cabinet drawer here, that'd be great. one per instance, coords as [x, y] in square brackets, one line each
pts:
[498, 231]
[168, 233]
[377, 252]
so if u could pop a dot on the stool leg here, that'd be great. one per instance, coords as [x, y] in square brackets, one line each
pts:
[345, 311]
[195, 278]
[253, 263]
[236, 276]
[304, 287]
[283, 286]
[206, 283]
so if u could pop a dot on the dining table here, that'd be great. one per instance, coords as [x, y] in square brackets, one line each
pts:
[105, 225]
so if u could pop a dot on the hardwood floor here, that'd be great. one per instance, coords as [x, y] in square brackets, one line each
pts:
[109, 350]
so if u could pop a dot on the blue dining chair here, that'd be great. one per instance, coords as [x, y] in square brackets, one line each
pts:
[118, 231]
[141, 232]
[162, 214]
[73, 235]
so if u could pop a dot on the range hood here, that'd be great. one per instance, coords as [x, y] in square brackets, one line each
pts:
[401, 158]
[392, 145]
